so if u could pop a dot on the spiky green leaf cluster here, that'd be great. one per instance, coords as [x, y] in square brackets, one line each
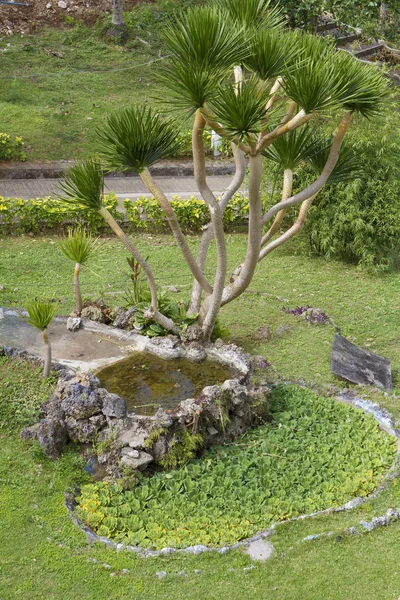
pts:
[137, 137]
[241, 108]
[316, 453]
[83, 185]
[363, 87]
[79, 246]
[291, 149]
[203, 47]
[347, 167]
[272, 53]
[40, 313]
[253, 13]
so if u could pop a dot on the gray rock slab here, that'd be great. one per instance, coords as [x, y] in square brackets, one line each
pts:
[137, 463]
[260, 550]
[355, 364]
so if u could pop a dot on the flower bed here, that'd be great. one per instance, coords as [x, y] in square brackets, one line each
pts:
[317, 453]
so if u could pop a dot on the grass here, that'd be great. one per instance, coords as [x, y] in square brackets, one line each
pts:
[56, 103]
[44, 556]
[365, 306]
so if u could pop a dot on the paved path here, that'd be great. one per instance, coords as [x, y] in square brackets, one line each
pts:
[124, 187]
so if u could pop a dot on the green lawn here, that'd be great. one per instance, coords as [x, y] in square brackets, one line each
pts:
[57, 103]
[363, 305]
[44, 556]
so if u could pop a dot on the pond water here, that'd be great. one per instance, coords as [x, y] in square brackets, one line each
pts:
[147, 382]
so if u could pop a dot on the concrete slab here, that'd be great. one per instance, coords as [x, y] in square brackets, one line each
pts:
[124, 187]
[89, 348]
[260, 550]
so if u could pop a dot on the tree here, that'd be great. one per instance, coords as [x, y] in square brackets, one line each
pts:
[118, 13]
[79, 247]
[238, 71]
[40, 315]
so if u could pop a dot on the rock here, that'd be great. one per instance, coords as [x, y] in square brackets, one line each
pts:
[133, 438]
[141, 462]
[212, 431]
[52, 436]
[114, 406]
[166, 347]
[81, 406]
[30, 433]
[260, 550]
[193, 333]
[129, 452]
[264, 333]
[195, 352]
[93, 313]
[74, 323]
[123, 318]
[282, 330]
[84, 430]
[1, 288]
[62, 4]
[353, 363]
[173, 289]
[48, 5]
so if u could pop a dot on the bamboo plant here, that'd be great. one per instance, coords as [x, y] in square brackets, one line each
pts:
[40, 314]
[237, 70]
[79, 246]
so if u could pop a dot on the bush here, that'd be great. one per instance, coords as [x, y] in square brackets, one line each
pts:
[360, 221]
[43, 214]
[145, 214]
[11, 148]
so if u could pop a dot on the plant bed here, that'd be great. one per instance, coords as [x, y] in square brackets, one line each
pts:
[316, 453]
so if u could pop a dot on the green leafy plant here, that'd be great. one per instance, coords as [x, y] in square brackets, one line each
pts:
[316, 453]
[79, 247]
[40, 314]
[11, 148]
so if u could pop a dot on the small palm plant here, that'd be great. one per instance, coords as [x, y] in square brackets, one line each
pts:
[79, 247]
[40, 315]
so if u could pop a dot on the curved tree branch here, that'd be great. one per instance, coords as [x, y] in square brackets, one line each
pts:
[213, 305]
[298, 225]
[316, 186]
[237, 287]
[180, 239]
[286, 193]
[208, 233]
[153, 312]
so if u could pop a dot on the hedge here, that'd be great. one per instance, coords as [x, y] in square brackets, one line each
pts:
[40, 215]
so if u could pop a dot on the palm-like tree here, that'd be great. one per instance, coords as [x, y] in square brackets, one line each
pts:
[282, 82]
[40, 315]
[79, 247]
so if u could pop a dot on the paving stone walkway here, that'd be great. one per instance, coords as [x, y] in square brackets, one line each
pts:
[124, 187]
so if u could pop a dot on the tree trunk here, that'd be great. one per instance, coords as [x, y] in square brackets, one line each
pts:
[153, 312]
[47, 358]
[118, 13]
[77, 289]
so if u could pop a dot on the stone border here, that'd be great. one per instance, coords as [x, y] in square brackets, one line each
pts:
[385, 422]
[164, 168]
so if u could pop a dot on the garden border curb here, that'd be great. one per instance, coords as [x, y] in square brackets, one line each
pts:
[165, 168]
[386, 423]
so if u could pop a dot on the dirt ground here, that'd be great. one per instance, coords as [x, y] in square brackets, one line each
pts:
[28, 19]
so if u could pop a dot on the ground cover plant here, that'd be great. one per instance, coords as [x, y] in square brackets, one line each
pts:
[316, 453]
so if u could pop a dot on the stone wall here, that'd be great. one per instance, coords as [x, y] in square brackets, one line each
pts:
[81, 411]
